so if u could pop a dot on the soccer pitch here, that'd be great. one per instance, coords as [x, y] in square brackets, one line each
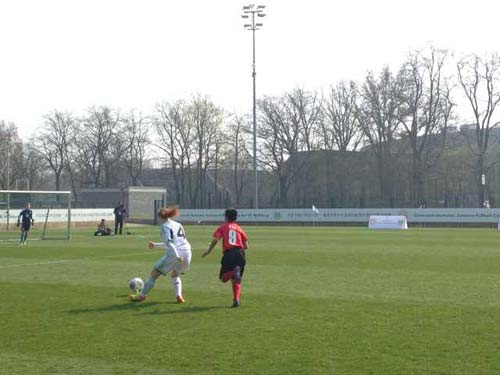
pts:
[314, 301]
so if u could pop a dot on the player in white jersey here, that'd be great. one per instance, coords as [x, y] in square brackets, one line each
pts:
[177, 258]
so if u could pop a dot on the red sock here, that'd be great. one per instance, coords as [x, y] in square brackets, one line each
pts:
[226, 276]
[236, 290]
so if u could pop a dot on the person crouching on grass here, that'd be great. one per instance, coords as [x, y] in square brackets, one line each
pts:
[176, 259]
[234, 244]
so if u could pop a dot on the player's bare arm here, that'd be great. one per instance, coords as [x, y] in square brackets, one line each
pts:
[210, 247]
[154, 245]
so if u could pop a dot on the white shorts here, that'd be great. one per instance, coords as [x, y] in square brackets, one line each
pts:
[169, 262]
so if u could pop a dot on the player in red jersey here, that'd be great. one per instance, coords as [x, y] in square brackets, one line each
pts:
[234, 244]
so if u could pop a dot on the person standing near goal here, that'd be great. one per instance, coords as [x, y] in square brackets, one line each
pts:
[234, 244]
[25, 220]
[177, 258]
[119, 212]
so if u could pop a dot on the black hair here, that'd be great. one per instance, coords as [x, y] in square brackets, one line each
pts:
[231, 214]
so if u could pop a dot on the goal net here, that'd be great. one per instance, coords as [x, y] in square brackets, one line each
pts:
[51, 213]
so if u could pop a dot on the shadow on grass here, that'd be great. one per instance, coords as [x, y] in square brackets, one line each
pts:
[186, 309]
[116, 307]
[147, 304]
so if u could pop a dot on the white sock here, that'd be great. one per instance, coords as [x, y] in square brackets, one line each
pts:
[177, 285]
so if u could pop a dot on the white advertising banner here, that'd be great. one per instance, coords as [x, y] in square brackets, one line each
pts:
[92, 214]
[61, 215]
[327, 215]
[387, 222]
[348, 215]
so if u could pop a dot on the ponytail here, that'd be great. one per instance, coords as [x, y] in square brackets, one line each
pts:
[168, 212]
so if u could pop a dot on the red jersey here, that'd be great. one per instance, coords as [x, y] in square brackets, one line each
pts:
[232, 236]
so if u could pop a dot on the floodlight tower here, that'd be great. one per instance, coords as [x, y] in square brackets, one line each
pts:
[251, 12]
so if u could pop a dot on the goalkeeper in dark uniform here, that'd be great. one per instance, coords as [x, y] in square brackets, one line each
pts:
[25, 219]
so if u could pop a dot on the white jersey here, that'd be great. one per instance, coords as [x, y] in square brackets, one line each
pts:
[174, 237]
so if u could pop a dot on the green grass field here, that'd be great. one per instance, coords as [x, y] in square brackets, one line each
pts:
[314, 301]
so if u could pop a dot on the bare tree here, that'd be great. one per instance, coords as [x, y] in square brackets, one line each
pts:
[10, 154]
[205, 118]
[19, 163]
[136, 135]
[340, 125]
[175, 138]
[380, 112]
[340, 130]
[428, 111]
[53, 141]
[238, 156]
[187, 133]
[99, 147]
[72, 167]
[305, 107]
[218, 161]
[479, 79]
[115, 163]
[280, 137]
[34, 168]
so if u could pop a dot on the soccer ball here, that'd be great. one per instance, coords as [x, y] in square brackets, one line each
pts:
[135, 285]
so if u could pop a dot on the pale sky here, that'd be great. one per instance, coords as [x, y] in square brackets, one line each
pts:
[71, 54]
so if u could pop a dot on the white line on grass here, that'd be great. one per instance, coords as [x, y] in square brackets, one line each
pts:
[39, 263]
[17, 240]
[74, 260]
[127, 255]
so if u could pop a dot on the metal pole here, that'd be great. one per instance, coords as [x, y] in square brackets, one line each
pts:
[69, 217]
[8, 166]
[256, 204]
[254, 11]
[8, 184]
[8, 211]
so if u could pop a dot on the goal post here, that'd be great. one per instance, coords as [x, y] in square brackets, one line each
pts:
[51, 212]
